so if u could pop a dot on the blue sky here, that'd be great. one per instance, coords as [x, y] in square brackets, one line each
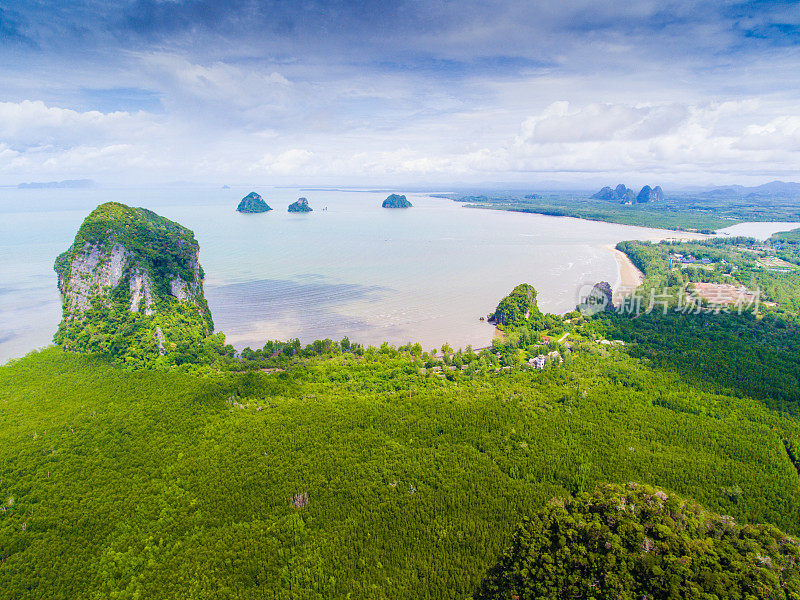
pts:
[427, 92]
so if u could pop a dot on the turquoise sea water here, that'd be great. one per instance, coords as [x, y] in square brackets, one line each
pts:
[423, 274]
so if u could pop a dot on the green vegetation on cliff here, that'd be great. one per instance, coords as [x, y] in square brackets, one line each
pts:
[131, 286]
[164, 247]
[396, 201]
[300, 206]
[253, 203]
[517, 307]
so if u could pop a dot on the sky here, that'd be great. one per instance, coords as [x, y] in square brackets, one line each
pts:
[428, 92]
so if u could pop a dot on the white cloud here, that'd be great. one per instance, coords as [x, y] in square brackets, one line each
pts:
[671, 139]
[100, 158]
[228, 91]
[292, 162]
[678, 140]
[6, 153]
[30, 124]
[599, 122]
[471, 91]
[781, 133]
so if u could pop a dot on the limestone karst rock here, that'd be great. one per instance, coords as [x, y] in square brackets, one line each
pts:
[648, 194]
[517, 307]
[300, 206]
[129, 274]
[396, 201]
[598, 299]
[621, 194]
[253, 203]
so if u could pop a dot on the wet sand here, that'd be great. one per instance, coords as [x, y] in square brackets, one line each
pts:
[629, 276]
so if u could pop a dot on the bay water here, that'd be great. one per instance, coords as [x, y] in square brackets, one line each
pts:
[349, 268]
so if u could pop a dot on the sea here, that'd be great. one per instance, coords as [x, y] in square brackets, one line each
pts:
[350, 268]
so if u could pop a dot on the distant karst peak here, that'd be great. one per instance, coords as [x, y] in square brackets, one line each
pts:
[624, 195]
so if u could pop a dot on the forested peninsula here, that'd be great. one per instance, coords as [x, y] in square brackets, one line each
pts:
[618, 453]
[699, 212]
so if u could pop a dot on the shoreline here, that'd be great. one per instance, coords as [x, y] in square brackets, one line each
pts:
[244, 325]
[629, 276]
[567, 215]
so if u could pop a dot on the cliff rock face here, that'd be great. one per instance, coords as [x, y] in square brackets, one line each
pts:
[598, 299]
[517, 307]
[131, 283]
[300, 206]
[621, 194]
[141, 291]
[625, 195]
[253, 203]
[648, 194]
[396, 201]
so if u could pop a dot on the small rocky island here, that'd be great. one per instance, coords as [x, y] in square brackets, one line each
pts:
[301, 206]
[253, 203]
[517, 307]
[396, 201]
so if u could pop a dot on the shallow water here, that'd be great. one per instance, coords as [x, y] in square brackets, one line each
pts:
[424, 274]
[760, 230]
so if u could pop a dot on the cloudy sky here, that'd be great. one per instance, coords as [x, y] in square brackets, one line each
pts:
[386, 93]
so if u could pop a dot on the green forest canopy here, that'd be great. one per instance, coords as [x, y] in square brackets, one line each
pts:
[159, 484]
[634, 541]
[338, 471]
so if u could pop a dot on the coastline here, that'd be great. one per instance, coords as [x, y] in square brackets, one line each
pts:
[630, 277]
[246, 290]
[558, 211]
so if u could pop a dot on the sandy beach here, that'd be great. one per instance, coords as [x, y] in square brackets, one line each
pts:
[629, 276]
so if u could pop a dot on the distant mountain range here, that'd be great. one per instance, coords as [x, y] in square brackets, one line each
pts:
[773, 189]
[67, 183]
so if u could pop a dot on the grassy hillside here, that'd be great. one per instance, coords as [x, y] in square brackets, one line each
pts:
[157, 484]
